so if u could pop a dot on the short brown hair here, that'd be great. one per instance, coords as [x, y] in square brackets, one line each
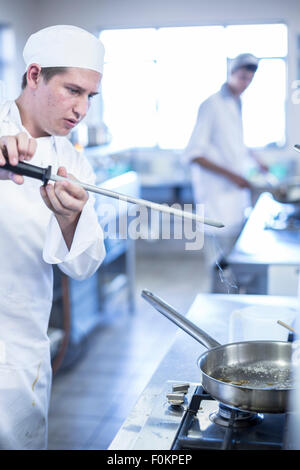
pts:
[47, 73]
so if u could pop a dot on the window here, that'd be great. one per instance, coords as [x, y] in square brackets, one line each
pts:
[7, 55]
[156, 78]
[265, 100]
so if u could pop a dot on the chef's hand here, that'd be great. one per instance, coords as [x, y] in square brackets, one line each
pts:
[66, 200]
[15, 148]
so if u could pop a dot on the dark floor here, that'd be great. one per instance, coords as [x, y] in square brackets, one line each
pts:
[91, 400]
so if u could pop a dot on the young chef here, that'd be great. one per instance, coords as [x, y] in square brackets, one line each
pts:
[41, 226]
[218, 154]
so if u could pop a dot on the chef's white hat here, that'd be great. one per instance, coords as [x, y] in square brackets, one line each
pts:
[244, 60]
[64, 46]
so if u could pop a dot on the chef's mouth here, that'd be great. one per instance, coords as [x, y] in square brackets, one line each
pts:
[71, 122]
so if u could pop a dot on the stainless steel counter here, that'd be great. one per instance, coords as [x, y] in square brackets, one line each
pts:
[265, 260]
[211, 313]
[260, 245]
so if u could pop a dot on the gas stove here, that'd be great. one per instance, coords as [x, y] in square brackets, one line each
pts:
[186, 417]
[207, 424]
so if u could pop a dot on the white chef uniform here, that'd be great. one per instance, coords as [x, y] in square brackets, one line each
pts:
[218, 136]
[30, 242]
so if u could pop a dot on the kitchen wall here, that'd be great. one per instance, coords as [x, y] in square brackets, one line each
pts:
[30, 15]
[22, 16]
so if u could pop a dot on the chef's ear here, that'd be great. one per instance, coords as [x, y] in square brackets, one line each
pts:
[33, 75]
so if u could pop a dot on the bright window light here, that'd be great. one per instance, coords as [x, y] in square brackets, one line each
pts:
[155, 80]
[262, 40]
[186, 76]
[129, 86]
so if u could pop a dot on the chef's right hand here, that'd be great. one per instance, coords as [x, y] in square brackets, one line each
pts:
[15, 148]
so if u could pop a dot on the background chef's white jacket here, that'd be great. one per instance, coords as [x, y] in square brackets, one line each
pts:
[30, 242]
[218, 136]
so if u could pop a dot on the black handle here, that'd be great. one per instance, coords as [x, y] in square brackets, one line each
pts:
[26, 169]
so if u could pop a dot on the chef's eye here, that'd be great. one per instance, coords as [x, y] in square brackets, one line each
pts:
[73, 91]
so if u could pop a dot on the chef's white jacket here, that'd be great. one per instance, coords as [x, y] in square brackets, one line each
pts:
[30, 242]
[218, 136]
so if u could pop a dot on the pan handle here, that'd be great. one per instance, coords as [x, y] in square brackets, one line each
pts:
[180, 320]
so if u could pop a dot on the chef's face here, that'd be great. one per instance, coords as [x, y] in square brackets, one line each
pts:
[63, 101]
[240, 80]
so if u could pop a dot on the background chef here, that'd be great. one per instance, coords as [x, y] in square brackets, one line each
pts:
[219, 156]
[42, 226]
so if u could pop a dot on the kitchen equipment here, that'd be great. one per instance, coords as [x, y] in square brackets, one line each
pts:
[98, 135]
[282, 323]
[286, 218]
[254, 323]
[286, 191]
[208, 425]
[297, 147]
[45, 175]
[253, 376]
[198, 421]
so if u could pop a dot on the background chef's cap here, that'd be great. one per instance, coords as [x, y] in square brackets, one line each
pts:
[244, 60]
[64, 46]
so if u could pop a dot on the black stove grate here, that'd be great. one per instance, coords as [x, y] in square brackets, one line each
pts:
[267, 433]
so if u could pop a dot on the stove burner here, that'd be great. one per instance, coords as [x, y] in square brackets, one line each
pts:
[232, 417]
[227, 428]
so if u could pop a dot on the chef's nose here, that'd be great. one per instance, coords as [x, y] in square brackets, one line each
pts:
[81, 107]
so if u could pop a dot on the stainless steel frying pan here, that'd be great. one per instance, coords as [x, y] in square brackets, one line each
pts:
[250, 375]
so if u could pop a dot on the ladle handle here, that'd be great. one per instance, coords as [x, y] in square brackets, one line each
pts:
[179, 320]
[288, 327]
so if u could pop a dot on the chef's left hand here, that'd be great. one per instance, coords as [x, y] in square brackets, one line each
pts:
[65, 199]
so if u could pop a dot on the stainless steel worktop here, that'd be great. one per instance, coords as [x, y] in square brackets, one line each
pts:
[211, 313]
[260, 245]
[265, 259]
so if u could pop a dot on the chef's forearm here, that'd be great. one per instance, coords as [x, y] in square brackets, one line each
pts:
[235, 178]
[68, 227]
[208, 165]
